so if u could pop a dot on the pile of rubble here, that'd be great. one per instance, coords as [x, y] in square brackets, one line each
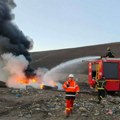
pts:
[39, 104]
[20, 92]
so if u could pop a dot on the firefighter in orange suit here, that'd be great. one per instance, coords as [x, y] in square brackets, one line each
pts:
[71, 88]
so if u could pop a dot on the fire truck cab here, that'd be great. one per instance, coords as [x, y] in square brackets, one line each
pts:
[108, 67]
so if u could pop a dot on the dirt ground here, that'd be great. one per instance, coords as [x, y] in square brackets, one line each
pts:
[50, 105]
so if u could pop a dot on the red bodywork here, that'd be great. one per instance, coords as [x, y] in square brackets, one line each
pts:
[108, 67]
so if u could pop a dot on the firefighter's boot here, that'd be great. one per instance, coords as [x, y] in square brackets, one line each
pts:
[71, 110]
[67, 113]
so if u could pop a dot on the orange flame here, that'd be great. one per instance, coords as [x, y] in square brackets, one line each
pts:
[22, 80]
[41, 86]
[25, 81]
[34, 80]
[51, 83]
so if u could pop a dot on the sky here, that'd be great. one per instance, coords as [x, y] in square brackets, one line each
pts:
[59, 24]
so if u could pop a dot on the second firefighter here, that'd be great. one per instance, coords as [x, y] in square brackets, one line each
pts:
[101, 88]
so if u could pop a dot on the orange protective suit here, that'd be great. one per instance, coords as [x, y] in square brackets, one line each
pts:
[71, 88]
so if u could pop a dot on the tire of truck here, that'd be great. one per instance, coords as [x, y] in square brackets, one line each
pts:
[111, 92]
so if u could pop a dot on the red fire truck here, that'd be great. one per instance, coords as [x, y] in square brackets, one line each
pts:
[108, 67]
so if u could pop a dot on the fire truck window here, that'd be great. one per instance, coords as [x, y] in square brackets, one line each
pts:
[94, 70]
[93, 73]
[111, 70]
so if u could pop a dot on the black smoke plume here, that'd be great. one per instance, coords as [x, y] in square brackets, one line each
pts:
[12, 40]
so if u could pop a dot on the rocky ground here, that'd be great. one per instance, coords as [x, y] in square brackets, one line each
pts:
[32, 104]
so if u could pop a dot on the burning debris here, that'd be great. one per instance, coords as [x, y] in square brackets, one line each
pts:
[46, 87]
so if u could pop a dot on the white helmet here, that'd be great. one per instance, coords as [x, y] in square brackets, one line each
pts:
[71, 75]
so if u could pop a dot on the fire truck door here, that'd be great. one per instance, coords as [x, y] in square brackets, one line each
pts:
[111, 72]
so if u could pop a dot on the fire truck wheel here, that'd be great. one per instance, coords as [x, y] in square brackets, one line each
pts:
[111, 92]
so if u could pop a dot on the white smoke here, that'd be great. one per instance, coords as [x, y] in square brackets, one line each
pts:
[12, 71]
[13, 68]
[40, 72]
[15, 64]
